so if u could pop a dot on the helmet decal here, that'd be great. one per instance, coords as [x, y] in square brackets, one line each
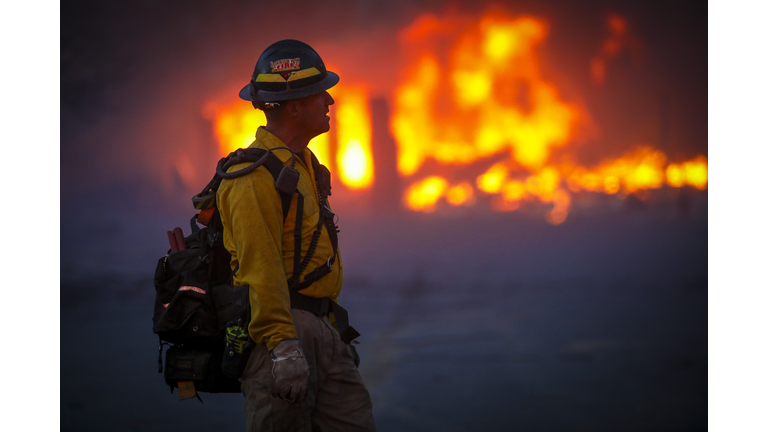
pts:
[285, 64]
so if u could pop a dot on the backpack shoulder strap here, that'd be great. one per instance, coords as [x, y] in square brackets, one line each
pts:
[275, 166]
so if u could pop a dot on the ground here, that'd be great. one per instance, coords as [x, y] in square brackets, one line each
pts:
[482, 322]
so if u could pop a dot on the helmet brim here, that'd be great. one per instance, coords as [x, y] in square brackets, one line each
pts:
[330, 80]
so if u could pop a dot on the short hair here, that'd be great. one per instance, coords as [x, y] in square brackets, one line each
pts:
[273, 112]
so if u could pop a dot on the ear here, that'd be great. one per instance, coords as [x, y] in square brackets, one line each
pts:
[293, 108]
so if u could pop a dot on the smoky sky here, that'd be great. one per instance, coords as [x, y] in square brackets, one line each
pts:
[135, 76]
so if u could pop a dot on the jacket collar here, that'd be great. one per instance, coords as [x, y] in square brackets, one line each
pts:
[268, 141]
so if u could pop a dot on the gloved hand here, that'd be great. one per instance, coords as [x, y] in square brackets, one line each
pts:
[290, 370]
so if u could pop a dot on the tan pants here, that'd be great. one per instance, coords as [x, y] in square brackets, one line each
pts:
[337, 399]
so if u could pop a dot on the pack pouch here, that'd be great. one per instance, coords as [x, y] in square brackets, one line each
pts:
[201, 366]
[184, 311]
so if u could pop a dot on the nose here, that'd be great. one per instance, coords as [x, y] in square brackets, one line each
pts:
[328, 98]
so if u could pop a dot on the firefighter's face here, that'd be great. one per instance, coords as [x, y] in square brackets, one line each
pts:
[314, 113]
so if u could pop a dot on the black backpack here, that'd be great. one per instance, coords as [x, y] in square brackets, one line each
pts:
[198, 312]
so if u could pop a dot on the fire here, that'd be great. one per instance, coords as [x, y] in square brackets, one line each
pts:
[491, 67]
[501, 103]
[493, 180]
[473, 98]
[353, 122]
[488, 96]
[423, 195]
[691, 173]
[641, 169]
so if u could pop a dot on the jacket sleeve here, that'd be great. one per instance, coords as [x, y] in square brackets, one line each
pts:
[251, 213]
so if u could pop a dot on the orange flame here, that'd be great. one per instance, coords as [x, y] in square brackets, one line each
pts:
[423, 195]
[353, 122]
[490, 97]
[492, 67]
[641, 169]
[692, 173]
[500, 103]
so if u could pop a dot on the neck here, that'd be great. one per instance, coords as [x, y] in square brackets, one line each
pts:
[289, 136]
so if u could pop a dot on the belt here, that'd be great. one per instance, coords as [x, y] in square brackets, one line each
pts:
[322, 306]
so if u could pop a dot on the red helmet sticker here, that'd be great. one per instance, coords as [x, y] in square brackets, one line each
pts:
[285, 64]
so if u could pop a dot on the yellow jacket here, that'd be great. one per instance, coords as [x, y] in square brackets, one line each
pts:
[257, 239]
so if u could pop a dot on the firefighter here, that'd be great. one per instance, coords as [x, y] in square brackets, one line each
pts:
[302, 373]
